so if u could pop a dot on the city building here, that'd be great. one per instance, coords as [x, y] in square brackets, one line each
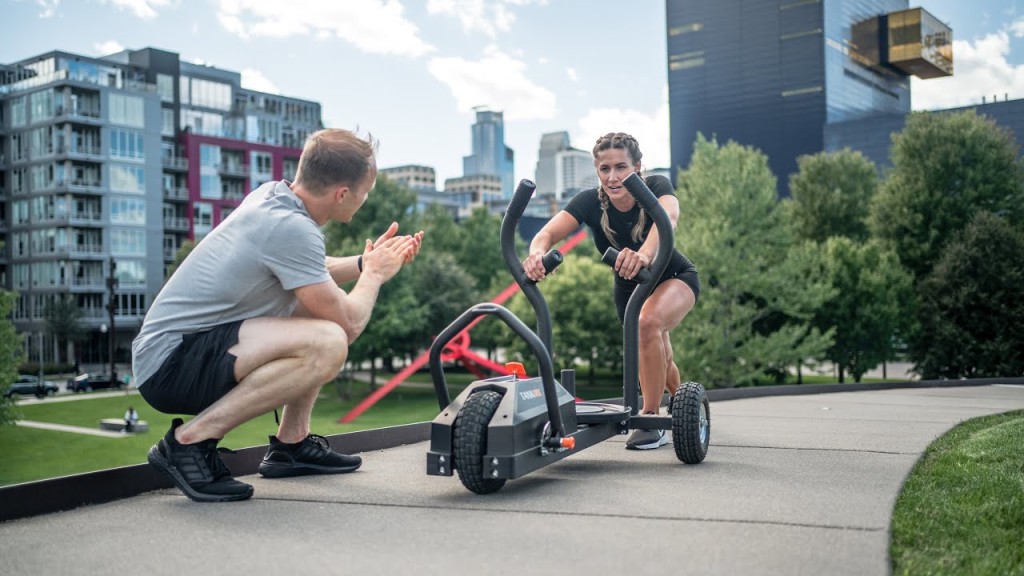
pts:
[490, 154]
[109, 165]
[776, 74]
[423, 181]
[562, 171]
[469, 192]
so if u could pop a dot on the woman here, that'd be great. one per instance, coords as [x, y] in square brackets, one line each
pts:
[615, 219]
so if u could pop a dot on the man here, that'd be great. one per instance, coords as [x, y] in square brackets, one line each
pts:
[254, 319]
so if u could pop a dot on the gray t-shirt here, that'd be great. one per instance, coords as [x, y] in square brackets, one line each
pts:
[248, 267]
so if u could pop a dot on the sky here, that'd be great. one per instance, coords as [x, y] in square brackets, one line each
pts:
[410, 72]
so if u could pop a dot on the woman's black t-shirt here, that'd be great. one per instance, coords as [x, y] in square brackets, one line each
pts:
[586, 209]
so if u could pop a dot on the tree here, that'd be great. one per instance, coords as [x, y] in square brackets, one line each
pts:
[584, 324]
[972, 304]
[758, 291]
[184, 250]
[830, 195]
[479, 253]
[64, 322]
[11, 354]
[868, 308]
[388, 202]
[946, 167]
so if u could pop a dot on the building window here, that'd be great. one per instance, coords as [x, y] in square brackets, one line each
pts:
[41, 104]
[126, 144]
[167, 122]
[127, 242]
[165, 87]
[19, 116]
[202, 219]
[127, 110]
[127, 211]
[127, 178]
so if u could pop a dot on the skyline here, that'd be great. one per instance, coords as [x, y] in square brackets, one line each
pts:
[411, 73]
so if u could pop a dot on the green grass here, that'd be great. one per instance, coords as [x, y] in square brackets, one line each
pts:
[32, 454]
[961, 510]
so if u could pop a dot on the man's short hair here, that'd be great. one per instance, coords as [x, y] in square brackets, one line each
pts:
[335, 157]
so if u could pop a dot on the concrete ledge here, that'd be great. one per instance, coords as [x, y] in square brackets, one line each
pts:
[117, 424]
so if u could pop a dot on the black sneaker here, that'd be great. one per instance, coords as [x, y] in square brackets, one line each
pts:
[196, 469]
[311, 456]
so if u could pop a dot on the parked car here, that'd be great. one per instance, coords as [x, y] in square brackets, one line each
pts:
[92, 381]
[28, 384]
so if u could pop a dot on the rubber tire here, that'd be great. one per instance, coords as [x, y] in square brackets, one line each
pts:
[469, 441]
[687, 403]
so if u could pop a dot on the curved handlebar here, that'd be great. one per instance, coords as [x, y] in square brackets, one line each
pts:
[611, 255]
[630, 329]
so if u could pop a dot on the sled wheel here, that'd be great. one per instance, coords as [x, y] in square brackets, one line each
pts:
[691, 423]
[469, 441]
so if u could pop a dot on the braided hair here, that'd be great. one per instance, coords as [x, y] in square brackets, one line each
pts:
[623, 141]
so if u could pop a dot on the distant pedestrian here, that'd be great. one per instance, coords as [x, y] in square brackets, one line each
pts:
[131, 418]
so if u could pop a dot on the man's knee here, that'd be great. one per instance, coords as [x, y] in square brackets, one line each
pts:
[331, 348]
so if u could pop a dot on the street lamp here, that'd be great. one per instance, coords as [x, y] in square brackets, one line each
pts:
[103, 330]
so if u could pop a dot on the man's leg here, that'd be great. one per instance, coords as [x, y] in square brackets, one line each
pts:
[279, 362]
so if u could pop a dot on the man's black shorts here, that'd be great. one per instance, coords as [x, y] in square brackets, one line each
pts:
[198, 373]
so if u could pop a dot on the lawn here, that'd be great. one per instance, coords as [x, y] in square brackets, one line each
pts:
[961, 510]
[33, 454]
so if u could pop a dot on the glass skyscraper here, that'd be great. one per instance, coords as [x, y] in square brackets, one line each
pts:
[490, 157]
[772, 74]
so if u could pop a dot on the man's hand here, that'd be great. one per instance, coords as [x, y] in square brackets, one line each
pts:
[390, 233]
[390, 252]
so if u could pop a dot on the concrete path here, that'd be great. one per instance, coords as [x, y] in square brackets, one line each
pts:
[791, 485]
[72, 429]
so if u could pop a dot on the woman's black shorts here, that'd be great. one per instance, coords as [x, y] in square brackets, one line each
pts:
[624, 288]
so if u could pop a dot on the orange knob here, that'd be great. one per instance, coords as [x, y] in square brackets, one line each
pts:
[516, 369]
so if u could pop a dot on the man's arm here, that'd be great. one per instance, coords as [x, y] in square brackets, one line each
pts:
[352, 310]
[347, 268]
[344, 269]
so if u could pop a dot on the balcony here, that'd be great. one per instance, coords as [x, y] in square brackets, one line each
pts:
[83, 114]
[82, 151]
[175, 162]
[88, 283]
[87, 217]
[175, 224]
[233, 169]
[85, 250]
[176, 193]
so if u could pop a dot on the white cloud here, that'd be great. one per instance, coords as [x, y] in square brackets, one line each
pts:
[487, 16]
[571, 73]
[107, 47]
[475, 15]
[980, 69]
[253, 79]
[49, 8]
[373, 26]
[497, 81]
[650, 130]
[145, 9]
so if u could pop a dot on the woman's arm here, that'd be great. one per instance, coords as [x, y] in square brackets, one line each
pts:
[556, 230]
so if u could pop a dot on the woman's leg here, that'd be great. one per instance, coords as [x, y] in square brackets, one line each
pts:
[664, 310]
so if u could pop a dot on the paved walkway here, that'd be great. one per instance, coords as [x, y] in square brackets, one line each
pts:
[791, 485]
[73, 429]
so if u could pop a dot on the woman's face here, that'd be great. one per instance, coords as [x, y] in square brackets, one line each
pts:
[613, 166]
